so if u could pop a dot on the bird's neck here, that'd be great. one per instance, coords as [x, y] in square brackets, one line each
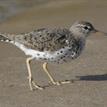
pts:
[81, 38]
[81, 41]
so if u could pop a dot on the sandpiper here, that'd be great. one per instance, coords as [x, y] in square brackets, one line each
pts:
[58, 45]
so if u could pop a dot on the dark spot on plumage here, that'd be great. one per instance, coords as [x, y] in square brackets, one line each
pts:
[63, 47]
[45, 58]
[73, 53]
[44, 55]
[61, 51]
[61, 57]
[69, 49]
[50, 44]
[41, 49]
[35, 38]
[73, 57]
[40, 35]
[38, 54]
[48, 33]
[64, 56]
[25, 38]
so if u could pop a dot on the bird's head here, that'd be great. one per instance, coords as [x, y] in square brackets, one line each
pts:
[82, 28]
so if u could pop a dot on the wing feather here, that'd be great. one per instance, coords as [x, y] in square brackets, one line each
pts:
[46, 39]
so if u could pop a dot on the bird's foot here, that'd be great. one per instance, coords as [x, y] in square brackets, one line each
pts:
[60, 82]
[32, 83]
[54, 83]
[37, 86]
[66, 82]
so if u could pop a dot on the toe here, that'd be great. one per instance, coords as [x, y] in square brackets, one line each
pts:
[37, 86]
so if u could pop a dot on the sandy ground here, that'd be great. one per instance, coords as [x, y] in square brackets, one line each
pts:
[89, 70]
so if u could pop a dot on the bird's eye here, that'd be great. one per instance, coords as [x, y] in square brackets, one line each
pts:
[86, 28]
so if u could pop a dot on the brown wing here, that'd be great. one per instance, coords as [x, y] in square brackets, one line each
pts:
[46, 39]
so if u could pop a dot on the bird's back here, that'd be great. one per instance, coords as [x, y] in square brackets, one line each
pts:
[46, 39]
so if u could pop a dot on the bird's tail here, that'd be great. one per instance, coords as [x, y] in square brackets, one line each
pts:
[6, 38]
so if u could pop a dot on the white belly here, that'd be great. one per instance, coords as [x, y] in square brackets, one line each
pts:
[57, 56]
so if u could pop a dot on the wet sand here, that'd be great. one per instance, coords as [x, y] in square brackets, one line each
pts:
[89, 70]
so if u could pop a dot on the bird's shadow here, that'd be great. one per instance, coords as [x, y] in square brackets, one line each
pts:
[102, 77]
[93, 77]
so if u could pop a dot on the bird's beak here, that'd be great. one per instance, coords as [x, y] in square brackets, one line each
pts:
[95, 31]
[99, 32]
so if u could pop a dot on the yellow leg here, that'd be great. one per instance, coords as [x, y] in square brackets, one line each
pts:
[31, 82]
[51, 78]
[49, 75]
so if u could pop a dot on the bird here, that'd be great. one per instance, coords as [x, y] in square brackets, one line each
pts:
[55, 45]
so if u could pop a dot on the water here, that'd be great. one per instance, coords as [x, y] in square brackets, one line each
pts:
[9, 8]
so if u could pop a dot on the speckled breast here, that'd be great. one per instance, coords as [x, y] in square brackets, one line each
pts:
[63, 55]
